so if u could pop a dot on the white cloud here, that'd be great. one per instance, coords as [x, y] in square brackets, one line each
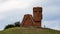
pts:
[12, 4]
[51, 12]
[2, 17]
[53, 24]
[7, 5]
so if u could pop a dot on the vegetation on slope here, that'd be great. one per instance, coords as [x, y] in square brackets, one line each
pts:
[26, 30]
[16, 24]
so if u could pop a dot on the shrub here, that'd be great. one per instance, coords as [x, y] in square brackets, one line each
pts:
[9, 26]
[17, 24]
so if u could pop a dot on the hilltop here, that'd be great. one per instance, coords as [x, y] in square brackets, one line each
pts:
[24, 30]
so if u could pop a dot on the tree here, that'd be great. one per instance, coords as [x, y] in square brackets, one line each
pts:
[17, 24]
[9, 26]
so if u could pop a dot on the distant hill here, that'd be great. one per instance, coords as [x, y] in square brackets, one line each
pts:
[24, 30]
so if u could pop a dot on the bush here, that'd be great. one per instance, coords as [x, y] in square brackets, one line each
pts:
[17, 24]
[9, 26]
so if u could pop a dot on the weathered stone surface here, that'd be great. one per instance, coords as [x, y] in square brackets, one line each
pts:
[37, 13]
[37, 16]
[28, 20]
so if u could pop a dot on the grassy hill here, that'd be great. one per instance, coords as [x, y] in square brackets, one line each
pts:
[23, 30]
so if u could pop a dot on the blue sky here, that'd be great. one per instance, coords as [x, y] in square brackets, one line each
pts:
[14, 10]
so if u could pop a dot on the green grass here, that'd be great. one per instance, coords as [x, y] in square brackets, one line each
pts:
[23, 30]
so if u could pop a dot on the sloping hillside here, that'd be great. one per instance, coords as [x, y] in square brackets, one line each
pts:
[23, 30]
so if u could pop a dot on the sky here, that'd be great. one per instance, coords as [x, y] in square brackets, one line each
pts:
[14, 10]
